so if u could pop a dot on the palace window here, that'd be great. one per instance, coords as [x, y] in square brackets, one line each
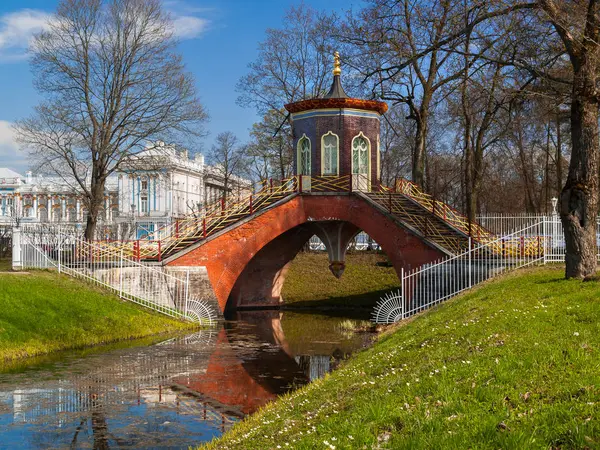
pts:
[330, 151]
[144, 203]
[144, 185]
[304, 156]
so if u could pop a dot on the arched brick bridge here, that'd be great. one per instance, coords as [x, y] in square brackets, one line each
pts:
[247, 261]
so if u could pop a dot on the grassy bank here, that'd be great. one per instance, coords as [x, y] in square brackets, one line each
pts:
[364, 281]
[513, 364]
[42, 312]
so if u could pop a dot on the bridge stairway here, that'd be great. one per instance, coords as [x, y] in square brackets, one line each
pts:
[431, 227]
[434, 221]
[200, 228]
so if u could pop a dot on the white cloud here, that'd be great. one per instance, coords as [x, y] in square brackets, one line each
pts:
[189, 27]
[18, 28]
[189, 22]
[16, 31]
[10, 154]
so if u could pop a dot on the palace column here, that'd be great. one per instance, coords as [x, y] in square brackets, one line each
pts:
[63, 209]
[106, 209]
[35, 207]
[78, 211]
[15, 205]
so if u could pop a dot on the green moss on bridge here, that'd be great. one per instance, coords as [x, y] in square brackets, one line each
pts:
[513, 364]
[310, 283]
[42, 312]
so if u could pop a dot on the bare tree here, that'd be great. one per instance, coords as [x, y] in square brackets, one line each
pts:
[578, 27]
[112, 82]
[228, 159]
[272, 154]
[397, 136]
[293, 64]
[392, 30]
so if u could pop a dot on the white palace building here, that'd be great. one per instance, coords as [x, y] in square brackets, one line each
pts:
[149, 191]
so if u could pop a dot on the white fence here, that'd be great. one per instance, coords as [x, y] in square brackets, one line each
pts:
[431, 284]
[504, 224]
[151, 287]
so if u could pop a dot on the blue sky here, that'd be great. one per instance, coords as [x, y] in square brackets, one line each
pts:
[218, 40]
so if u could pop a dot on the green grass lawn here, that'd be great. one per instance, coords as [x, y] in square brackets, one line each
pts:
[42, 312]
[366, 278]
[514, 364]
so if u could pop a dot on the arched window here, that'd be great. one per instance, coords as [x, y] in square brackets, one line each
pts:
[360, 155]
[329, 154]
[304, 156]
[361, 150]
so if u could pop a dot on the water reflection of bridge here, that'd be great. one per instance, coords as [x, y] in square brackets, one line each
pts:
[99, 389]
[208, 380]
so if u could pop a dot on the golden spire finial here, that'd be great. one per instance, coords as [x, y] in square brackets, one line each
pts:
[337, 70]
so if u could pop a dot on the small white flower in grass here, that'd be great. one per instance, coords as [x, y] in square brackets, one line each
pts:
[350, 437]
[576, 334]
[334, 438]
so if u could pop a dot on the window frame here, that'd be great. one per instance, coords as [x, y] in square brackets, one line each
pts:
[337, 154]
[368, 141]
[299, 159]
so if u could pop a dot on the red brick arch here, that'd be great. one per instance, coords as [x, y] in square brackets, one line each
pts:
[227, 255]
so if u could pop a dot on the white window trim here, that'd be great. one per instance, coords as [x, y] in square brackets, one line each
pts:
[360, 134]
[299, 154]
[337, 173]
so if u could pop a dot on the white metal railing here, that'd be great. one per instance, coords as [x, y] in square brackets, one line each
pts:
[503, 224]
[428, 285]
[145, 285]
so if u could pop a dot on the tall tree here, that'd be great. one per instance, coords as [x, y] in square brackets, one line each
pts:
[112, 82]
[293, 64]
[272, 154]
[546, 33]
[578, 27]
[228, 159]
[392, 31]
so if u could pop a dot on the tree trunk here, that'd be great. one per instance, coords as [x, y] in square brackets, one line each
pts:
[547, 172]
[95, 203]
[476, 178]
[579, 197]
[418, 162]
[559, 172]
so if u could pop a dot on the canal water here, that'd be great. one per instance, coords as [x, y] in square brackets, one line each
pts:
[169, 393]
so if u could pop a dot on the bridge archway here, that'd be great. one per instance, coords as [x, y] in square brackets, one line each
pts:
[247, 264]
